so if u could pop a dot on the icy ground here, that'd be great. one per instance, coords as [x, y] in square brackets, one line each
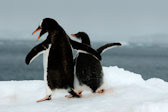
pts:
[125, 92]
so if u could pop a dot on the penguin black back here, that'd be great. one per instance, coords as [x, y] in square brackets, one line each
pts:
[60, 73]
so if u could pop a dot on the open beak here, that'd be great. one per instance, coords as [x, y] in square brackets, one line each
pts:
[73, 35]
[38, 29]
[41, 33]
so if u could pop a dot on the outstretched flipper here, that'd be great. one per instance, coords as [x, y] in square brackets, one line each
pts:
[85, 40]
[36, 51]
[107, 46]
[80, 46]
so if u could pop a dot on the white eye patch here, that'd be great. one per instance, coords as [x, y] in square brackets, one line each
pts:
[41, 23]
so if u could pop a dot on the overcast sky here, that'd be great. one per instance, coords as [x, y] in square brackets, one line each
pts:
[103, 20]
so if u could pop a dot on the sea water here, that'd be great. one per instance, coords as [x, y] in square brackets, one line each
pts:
[148, 60]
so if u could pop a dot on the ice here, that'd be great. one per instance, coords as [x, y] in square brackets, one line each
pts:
[124, 92]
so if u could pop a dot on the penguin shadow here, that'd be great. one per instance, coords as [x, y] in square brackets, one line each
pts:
[89, 94]
[61, 96]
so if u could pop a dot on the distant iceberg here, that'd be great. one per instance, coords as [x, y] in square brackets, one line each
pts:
[125, 92]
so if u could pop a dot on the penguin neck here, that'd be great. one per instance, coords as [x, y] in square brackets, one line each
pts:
[86, 40]
[55, 34]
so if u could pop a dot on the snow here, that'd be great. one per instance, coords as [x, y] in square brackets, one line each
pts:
[124, 92]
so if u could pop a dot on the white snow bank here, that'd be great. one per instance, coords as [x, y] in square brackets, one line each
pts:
[125, 92]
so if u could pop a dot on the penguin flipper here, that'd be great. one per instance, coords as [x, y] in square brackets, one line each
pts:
[80, 46]
[36, 51]
[107, 46]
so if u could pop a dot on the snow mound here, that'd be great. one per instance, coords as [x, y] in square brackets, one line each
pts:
[124, 92]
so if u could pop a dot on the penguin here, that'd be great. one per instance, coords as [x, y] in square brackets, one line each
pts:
[58, 58]
[88, 68]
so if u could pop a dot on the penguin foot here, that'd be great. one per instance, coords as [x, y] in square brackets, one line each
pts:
[79, 93]
[68, 96]
[100, 91]
[74, 93]
[48, 97]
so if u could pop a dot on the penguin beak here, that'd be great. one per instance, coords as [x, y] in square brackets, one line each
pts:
[73, 35]
[41, 33]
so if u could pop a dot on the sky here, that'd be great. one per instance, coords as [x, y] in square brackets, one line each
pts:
[103, 20]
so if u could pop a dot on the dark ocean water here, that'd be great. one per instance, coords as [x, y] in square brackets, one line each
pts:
[149, 61]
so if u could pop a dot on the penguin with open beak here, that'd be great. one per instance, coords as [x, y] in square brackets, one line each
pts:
[57, 58]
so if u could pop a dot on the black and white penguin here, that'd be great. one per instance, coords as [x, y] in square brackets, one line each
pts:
[58, 58]
[88, 68]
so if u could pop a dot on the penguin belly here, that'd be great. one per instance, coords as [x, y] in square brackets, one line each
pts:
[89, 71]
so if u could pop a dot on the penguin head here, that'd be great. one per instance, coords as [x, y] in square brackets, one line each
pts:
[80, 35]
[83, 37]
[46, 25]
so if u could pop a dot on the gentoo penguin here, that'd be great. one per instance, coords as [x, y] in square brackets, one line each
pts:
[59, 59]
[88, 68]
